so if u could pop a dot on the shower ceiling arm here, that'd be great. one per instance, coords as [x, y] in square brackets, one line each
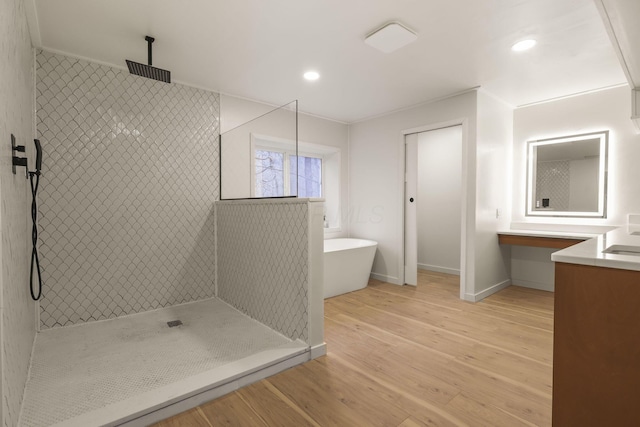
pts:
[150, 41]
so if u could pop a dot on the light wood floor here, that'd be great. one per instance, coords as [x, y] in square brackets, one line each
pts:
[403, 356]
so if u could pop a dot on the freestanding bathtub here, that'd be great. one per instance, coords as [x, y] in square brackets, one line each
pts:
[347, 265]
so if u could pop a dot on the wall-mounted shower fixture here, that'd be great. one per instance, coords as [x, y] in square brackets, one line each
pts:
[149, 71]
[18, 161]
[34, 177]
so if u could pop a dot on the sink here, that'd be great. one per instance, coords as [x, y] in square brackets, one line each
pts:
[622, 250]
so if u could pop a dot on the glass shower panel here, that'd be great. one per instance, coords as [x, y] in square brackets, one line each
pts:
[255, 156]
[306, 172]
[269, 173]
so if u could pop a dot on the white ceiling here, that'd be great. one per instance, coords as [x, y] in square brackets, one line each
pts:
[259, 49]
[621, 19]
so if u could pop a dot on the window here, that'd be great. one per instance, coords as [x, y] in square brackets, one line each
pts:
[309, 175]
[271, 167]
[315, 172]
[269, 173]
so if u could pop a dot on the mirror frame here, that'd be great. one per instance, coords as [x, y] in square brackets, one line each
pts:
[603, 136]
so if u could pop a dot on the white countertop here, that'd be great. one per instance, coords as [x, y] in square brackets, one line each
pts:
[590, 252]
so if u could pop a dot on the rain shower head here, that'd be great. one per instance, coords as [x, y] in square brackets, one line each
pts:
[149, 71]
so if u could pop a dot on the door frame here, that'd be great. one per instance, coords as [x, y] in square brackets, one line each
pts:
[411, 167]
[465, 228]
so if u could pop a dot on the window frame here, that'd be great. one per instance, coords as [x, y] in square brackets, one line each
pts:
[311, 156]
[331, 161]
[278, 145]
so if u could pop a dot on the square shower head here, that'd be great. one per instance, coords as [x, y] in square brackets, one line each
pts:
[149, 71]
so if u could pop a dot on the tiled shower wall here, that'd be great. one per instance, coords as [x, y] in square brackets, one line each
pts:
[17, 325]
[263, 261]
[130, 176]
[553, 183]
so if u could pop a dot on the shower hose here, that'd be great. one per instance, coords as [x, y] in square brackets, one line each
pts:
[34, 236]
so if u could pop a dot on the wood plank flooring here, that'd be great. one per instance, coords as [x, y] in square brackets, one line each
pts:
[404, 356]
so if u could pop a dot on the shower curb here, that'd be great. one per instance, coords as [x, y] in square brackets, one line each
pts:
[164, 402]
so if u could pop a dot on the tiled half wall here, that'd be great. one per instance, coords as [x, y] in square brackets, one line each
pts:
[130, 176]
[263, 261]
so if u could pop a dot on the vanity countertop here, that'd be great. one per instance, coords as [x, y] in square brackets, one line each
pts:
[549, 234]
[590, 252]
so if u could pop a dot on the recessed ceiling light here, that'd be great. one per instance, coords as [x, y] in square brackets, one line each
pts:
[523, 45]
[311, 75]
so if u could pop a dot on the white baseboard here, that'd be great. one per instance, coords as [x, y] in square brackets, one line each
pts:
[385, 278]
[550, 287]
[439, 269]
[318, 350]
[490, 291]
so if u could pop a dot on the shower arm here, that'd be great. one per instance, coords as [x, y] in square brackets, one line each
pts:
[149, 40]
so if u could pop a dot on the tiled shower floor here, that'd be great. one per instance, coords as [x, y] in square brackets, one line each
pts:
[105, 367]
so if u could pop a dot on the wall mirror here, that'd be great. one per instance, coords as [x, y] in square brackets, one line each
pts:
[567, 176]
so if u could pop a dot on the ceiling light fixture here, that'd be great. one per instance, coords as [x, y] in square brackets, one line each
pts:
[311, 75]
[390, 37]
[523, 45]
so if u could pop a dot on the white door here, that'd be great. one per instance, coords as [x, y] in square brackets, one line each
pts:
[410, 203]
[439, 211]
[439, 205]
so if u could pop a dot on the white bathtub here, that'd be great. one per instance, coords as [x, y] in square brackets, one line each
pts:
[347, 265]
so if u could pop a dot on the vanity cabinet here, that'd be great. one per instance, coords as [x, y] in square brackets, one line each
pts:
[596, 346]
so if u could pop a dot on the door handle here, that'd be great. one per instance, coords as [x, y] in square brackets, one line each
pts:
[411, 199]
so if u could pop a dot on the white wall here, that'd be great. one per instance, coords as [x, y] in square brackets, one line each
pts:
[493, 198]
[532, 267]
[602, 110]
[17, 310]
[236, 111]
[439, 200]
[376, 179]
[606, 109]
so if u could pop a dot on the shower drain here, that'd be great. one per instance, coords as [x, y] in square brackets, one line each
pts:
[173, 323]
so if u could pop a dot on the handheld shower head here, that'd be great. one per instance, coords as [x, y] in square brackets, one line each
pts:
[149, 71]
